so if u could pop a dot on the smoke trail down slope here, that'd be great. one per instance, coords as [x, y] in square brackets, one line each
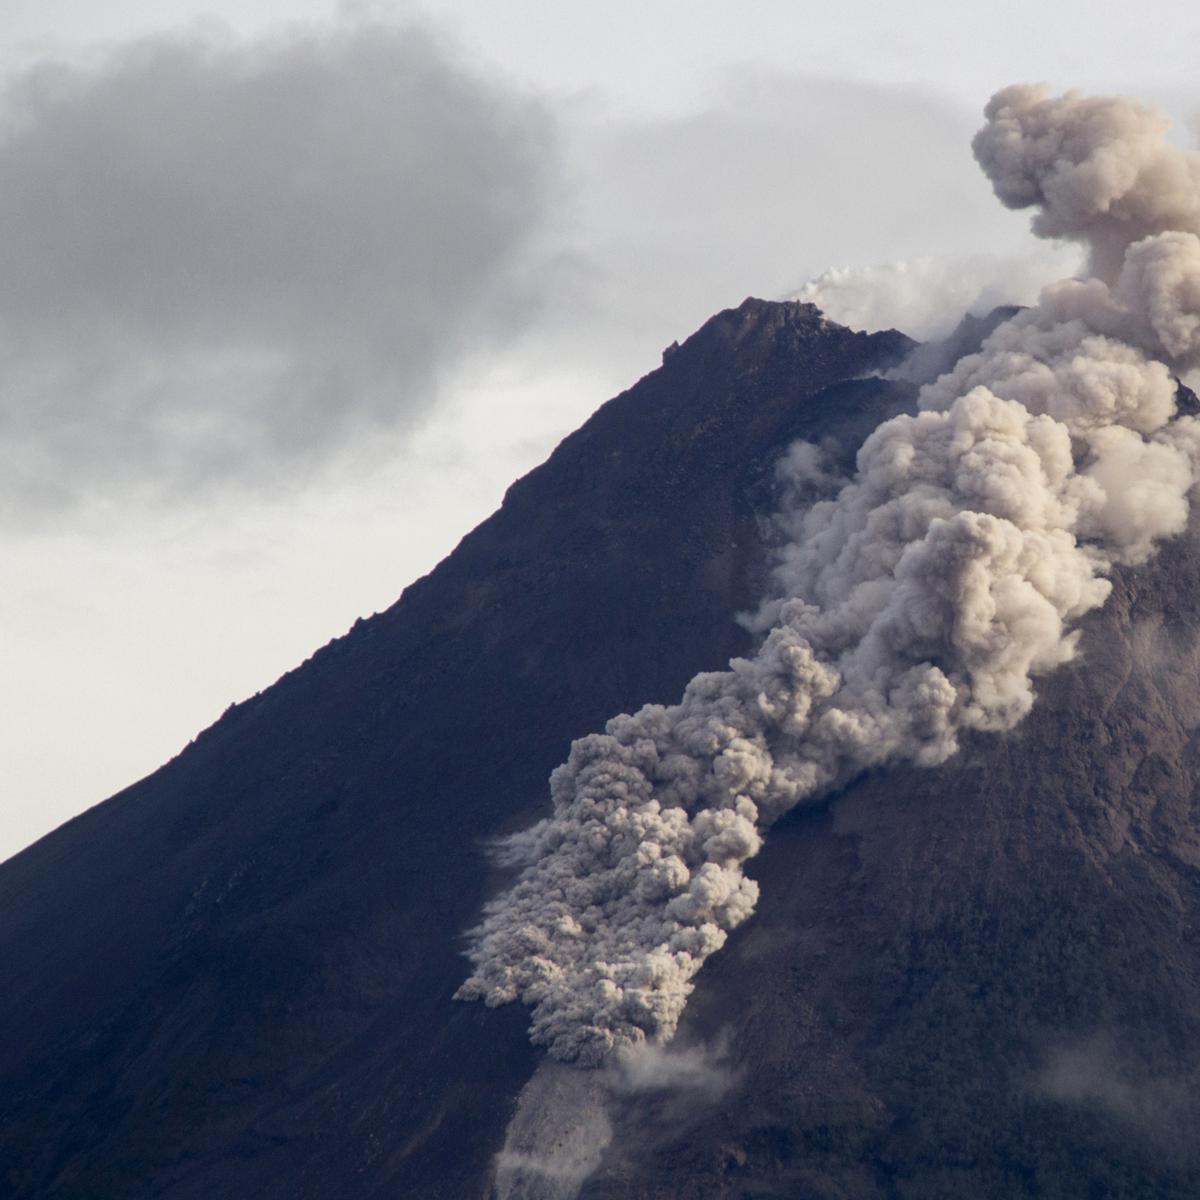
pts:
[556, 1137]
[920, 601]
[562, 1126]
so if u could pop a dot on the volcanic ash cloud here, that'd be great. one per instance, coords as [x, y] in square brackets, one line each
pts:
[922, 600]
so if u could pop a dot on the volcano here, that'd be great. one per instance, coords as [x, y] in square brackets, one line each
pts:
[236, 977]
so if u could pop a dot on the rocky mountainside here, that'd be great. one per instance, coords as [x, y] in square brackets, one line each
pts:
[235, 977]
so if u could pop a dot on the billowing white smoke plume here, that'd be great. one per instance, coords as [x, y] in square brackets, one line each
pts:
[1097, 168]
[927, 297]
[920, 601]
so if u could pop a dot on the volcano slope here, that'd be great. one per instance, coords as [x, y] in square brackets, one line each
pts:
[236, 976]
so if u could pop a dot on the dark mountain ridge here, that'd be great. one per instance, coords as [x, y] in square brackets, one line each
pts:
[235, 977]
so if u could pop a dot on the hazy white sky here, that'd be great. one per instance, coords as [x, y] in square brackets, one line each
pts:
[282, 314]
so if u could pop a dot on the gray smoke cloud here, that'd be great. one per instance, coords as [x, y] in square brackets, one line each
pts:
[1097, 169]
[222, 257]
[921, 601]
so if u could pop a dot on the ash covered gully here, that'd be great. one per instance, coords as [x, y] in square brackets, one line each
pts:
[922, 598]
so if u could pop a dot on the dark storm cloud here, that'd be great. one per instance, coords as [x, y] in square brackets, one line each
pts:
[219, 258]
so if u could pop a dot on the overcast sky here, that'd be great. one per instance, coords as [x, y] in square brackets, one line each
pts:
[291, 293]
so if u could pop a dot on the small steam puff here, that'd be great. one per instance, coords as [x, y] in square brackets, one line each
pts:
[921, 601]
[927, 297]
